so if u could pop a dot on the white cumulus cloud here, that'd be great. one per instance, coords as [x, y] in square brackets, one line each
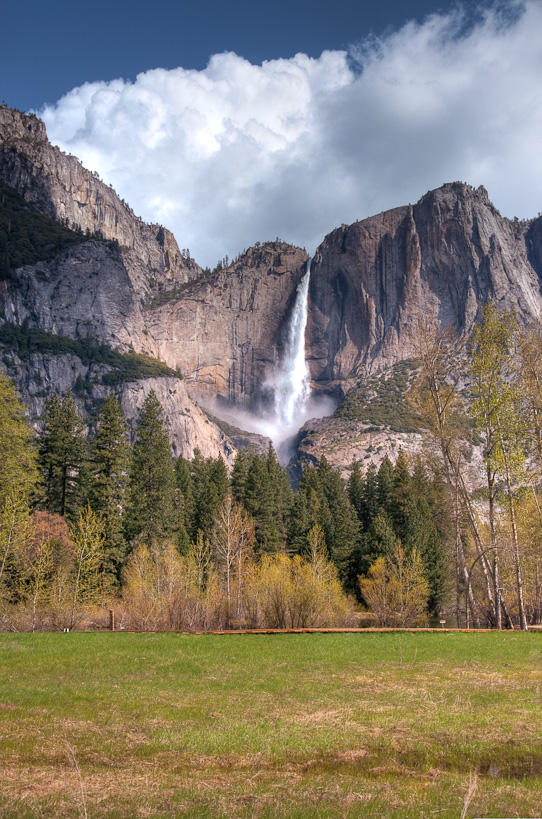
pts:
[239, 153]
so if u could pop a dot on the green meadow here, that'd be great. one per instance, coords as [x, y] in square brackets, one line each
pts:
[295, 725]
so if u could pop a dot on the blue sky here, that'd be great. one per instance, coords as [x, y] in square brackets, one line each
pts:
[236, 122]
[50, 47]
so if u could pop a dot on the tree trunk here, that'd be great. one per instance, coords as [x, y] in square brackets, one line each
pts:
[517, 563]
[493, 541]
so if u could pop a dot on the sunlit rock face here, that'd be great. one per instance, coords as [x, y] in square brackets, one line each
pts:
[56, 184]
[229, 329]
[438, 259]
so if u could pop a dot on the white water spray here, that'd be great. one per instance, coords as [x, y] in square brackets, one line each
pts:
[292, 381]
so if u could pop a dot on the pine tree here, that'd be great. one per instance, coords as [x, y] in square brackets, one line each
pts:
[185, 503]
[210, 486]
[370, 505]
[281, 492]
[385, 484]
[239, 477]
[355, 488]
[259, 504]
[299, 523]
[61, 456]
[151, 512]
[343, 530]
[109, 469]
[378, 541]
[400, 496]
[327, 505]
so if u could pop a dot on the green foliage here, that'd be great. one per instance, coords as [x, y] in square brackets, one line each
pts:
[109, 461]
[267, 497]
[239, 477]
[380, 400]
[177, 292]
[322, 500]
[18, 471]
[26, 341]
[185, 502]
[61, 454]
[27, 237]
[210, 486]
[395, 505]
[151, 512]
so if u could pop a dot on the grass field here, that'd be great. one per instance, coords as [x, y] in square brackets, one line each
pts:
[321, 725]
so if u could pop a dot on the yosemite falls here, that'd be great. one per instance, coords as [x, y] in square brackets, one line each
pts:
[292, 387]
[288, 385]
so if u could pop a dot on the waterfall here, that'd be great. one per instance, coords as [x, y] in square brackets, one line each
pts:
[288, 386]
[292, 380]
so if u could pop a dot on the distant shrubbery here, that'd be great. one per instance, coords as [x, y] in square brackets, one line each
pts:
[381, 401]
[27, 237]
[26, 341]
[165, 296]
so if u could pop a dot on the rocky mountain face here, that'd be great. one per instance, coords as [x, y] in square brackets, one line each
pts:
[57, 185]
[439, 259]
[114, 280]
[229, 329]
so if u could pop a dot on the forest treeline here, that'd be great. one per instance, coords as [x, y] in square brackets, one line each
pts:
[93, 523]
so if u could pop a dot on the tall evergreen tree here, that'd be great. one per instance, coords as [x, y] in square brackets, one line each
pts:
[322, 500]
[109, 468]
[61, 456]
[378, 541]
[385, 484]
[151, 512]
[343, 530]
[281, 492]
[259, 504]
[185, 503]
[400, 496]
[210, 485]
[239, 477]
[355, 488]
[370, 497]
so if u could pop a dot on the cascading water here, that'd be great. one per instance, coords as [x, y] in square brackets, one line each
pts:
[289, 385]
[292, 381]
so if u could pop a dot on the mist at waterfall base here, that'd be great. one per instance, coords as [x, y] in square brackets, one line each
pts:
[290, 387]
[283, 435]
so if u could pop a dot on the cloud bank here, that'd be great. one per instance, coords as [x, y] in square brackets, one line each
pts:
[239, 153]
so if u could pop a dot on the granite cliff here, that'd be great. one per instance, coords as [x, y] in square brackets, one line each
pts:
[228, 329]
[440, 258]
